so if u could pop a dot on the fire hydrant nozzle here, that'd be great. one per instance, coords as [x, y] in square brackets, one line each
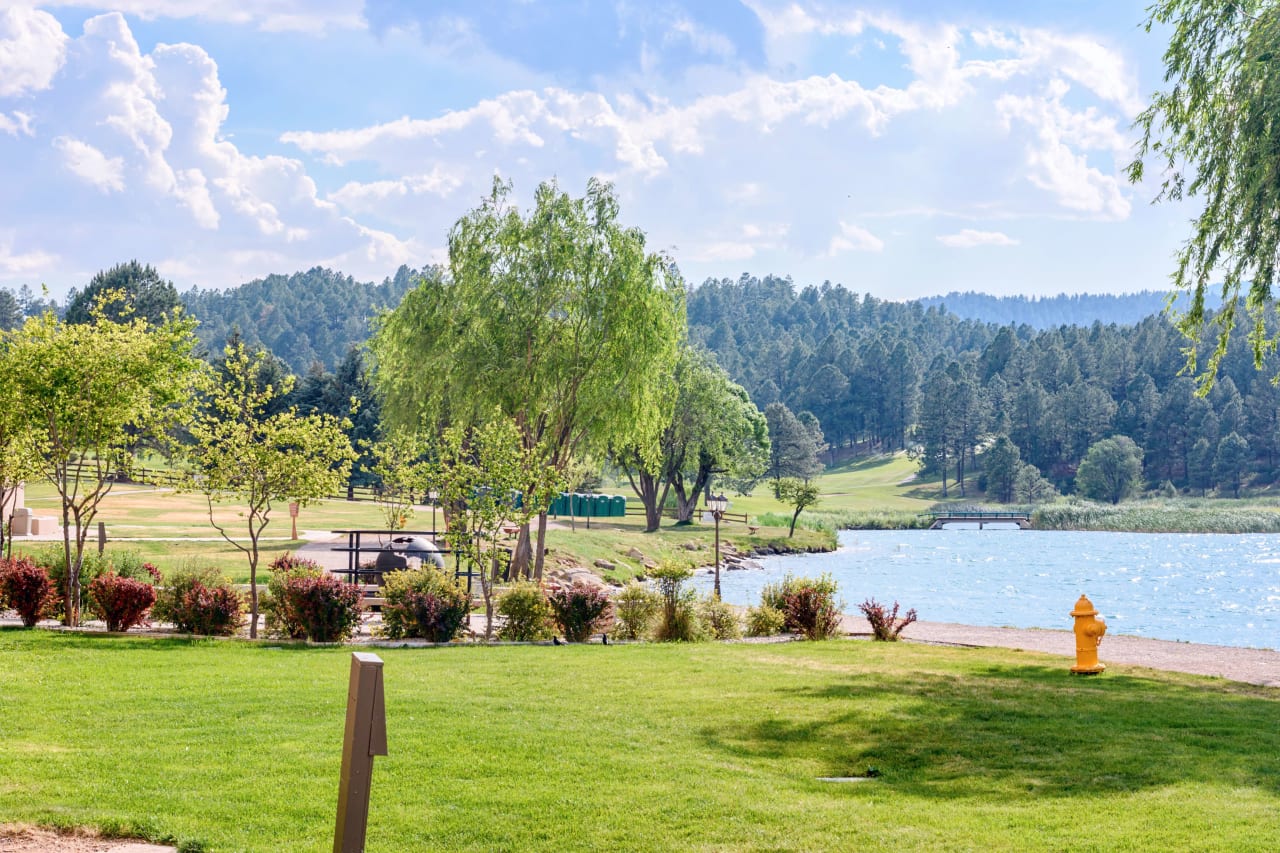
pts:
[1089, 631]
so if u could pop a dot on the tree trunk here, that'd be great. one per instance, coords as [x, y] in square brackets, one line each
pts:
[645, 485]
[794, 516]
[520, 557]
[253, 590]
[540, 557]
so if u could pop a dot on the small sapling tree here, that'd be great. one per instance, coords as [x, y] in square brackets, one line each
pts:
[244, 456]
[398, 465]
[492, 481]
[799, 494]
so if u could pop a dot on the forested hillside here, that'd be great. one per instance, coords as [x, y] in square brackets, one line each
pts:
[1046, 312]
[883, 375]
[307, 317]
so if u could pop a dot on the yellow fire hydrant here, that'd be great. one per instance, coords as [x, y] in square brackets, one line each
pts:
[1089, 631]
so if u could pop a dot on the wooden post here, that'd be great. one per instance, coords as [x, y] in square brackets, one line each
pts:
[293, 516]
[365, 737]
[102, 536]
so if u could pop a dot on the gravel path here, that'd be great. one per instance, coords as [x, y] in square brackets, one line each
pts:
[1252, 666]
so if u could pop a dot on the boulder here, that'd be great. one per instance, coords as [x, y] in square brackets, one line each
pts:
[605, 564]
[636, 554]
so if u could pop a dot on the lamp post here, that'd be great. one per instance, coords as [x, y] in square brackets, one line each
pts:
[717, 504]
[433, 496]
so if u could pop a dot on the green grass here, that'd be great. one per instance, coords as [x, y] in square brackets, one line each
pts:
[642, 747]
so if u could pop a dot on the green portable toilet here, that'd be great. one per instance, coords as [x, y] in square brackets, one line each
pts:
[600, 506]
[581, 505]
[560, 506]
[618, 505]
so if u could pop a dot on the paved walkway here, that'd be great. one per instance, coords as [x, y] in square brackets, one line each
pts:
[1253, 666]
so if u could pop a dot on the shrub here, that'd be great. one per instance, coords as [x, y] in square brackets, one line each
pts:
[122, 602]
[679, 620]
[885, 624]
[634, 609]
[26, 588]
[280, 618]
[424, 603]
[720, 620]
[812, 612]
[126, 564]
[776, 595]
[328, 609]
[528, 615]
[580, 610]
[200, 601]
[764, 621]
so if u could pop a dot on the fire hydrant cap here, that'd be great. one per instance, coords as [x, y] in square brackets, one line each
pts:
[1084, 607]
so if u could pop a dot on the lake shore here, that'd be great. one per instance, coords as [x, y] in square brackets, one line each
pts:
[1251, 666]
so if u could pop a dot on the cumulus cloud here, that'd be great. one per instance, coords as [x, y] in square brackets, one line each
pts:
[1056, 157]
[32, 50]
[852, 238]
[91, 165]
[968, 238]
[142, 133]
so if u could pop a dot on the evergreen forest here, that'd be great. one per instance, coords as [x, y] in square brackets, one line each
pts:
[991, 389]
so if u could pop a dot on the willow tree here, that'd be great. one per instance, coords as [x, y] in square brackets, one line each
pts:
[1213, 134]
[90, 393]
[714, 428]
[559, 319]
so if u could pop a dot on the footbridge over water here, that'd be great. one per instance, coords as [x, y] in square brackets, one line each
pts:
[979, 517]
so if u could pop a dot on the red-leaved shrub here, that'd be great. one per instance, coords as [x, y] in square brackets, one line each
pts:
[27, 588]
[122, 602]
[326, 608]
[580, 610]
[885, 624]
[813, 612]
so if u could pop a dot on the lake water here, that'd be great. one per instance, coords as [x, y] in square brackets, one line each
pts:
[1195, 587]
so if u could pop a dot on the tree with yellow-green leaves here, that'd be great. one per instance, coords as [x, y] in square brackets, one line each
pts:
[89, 394]
[243, 456]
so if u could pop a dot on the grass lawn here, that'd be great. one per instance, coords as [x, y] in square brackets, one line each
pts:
[641, 747]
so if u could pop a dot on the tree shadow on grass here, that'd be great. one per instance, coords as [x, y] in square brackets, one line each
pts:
[1022, 729]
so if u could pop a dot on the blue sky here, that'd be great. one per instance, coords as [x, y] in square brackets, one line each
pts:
[902, 149]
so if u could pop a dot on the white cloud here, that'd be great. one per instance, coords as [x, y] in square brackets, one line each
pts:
[374, 196]
[852, 238]
[968, 238]
[147, 129]
[27, 263]
[91, 165]
[704, 41]
[18, 123]
[1057, 167]
[32, 50]
[310, 16]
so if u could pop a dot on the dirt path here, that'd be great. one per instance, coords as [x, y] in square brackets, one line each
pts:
[30, 839]
[1253, 666]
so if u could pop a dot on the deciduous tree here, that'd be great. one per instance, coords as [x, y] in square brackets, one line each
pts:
[1212, 133]
[560, 320]
[244, 456]
[89, 393]
[1110, 470]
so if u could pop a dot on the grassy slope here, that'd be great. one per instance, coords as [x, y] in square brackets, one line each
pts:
[708, 747]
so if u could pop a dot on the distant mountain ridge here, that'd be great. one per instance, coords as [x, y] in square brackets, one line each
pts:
[1047, 312]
